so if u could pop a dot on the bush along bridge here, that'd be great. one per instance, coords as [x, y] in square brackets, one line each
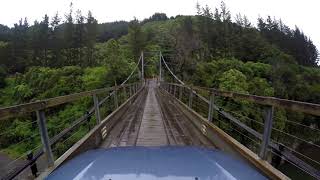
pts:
[164, 111]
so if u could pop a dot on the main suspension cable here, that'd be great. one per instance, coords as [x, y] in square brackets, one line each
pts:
[171, 71]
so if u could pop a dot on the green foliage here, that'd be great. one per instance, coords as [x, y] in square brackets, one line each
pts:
[233, 80]
[136, 38]
[94, 78]
[258, 69]
[208, 50]
[113, 56]
[22, 92]
[260, 86]
[3, 74]
[156, 17]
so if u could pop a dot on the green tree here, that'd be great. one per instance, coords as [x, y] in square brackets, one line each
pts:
[110, 55]
[20, 44]
[136, 38]
[79, 36]
[69, 43]
[56, 44]
[3, 74]
[44, 39]
[233, 80]
[91, 36]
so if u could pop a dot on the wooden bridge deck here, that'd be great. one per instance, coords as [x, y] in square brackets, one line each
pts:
[152, 131]
[153, 120]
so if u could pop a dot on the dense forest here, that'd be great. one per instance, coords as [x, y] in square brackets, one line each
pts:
[62, 55]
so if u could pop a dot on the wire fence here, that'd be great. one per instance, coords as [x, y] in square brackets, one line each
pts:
[65, 131]
[285, 133]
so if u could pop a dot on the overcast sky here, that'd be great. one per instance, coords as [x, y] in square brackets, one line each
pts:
[303, 13]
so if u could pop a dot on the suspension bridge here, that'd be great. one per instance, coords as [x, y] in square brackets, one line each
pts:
[155, 112]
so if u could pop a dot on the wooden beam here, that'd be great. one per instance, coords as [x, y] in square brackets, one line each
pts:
[233, 145]
[304, 107]
[21, 109]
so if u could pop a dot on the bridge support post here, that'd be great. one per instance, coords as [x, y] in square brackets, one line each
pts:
[180, 92]
[142, 66]
[190, 98]
[267, 132]
[210, 111]
[133, 89]
[115, 97]
[174, 90]
[160, 74]
[124, 92]
[45, 137]
[96, 108]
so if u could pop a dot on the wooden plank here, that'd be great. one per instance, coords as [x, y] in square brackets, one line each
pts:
[152, 131]
[18, 110]
[287, 154]
[91, 139]
[243, 151]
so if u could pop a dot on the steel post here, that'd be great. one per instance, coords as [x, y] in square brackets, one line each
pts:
[160, 73]
[190, 98]
[115, 96]
[45, 137]
[142, 67]
[267, 132]
[180, 92]
[96, 108]
[130, 90]
[124, 92]
[210, 111]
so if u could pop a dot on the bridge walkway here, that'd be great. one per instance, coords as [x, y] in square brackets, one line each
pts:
[154, 120]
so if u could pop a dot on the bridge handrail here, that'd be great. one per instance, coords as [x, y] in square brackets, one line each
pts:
[299, 106]
[268, 102]
[273, 145]
[17, 110]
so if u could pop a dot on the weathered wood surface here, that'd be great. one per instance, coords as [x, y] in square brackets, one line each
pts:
[153, 120]
[21, 109]
[298, 106]
[152, 131]
[226, 143]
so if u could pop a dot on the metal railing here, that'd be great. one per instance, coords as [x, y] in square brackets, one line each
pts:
[203, 101]
[118, 93]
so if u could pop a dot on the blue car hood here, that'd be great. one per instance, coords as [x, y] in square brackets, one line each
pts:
[155, 163]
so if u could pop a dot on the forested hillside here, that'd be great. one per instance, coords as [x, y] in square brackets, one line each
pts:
[58, 56]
